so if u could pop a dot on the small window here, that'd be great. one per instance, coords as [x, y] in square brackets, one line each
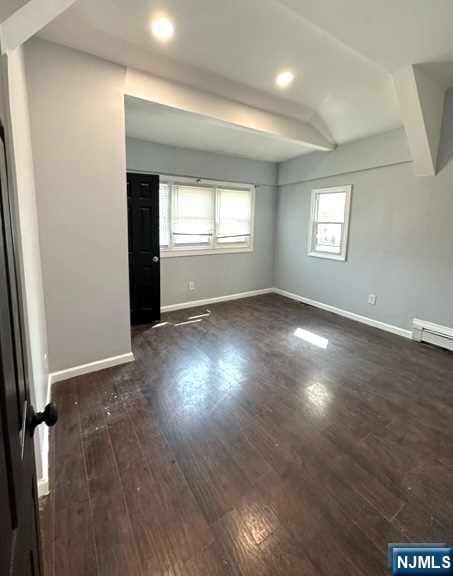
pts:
[205, 217]
[329, 222]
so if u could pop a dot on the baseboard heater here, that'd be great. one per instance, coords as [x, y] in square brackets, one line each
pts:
[424, 331]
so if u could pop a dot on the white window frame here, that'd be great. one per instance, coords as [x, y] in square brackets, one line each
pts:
[174, 251]
[312, 224]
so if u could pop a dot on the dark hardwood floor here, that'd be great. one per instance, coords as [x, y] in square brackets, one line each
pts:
[232, 446]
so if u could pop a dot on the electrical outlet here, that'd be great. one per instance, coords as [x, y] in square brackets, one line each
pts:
[191, 285]
[372, 299]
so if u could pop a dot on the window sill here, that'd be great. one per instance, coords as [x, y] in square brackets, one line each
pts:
[203, 252]
[325, 255]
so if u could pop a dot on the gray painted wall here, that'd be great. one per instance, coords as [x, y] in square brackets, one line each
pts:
[401, 237]
[151, 156]
[77, 127]
[214, 275]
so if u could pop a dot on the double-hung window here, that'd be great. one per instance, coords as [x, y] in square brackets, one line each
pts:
[329, 222]
[205, 218]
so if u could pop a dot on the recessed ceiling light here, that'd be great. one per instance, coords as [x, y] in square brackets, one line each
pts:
[162, 28]
[284, 79]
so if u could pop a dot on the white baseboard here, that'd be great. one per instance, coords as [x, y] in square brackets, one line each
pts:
[90, 367]
[347, 314]
[207, 301]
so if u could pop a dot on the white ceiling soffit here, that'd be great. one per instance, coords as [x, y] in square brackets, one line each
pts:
[185, 98]
[27, 19]
[422, 104]
[165, 125]
[234, 49]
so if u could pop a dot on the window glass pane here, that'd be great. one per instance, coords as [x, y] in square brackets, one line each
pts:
[331, 207]
[328, 238]
[233, 216]
[192, 215]
[164, 213]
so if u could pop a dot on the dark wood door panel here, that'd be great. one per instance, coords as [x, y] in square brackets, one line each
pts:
[145, 236]
[144, 255]
[19, 531]
[129, 223]
[6, 533]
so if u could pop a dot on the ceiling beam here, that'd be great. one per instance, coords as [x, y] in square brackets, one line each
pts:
[153, 89]
[422, 102]
[28, 20]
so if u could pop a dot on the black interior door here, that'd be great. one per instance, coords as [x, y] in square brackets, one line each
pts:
[19, 533]
[144, 253]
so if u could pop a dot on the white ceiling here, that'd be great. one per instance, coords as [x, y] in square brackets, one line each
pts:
[153, 122]
[342, 51]
[394, 33]
[8, 7]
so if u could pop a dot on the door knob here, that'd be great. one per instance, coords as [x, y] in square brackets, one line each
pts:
[155, 258]
[49, 417]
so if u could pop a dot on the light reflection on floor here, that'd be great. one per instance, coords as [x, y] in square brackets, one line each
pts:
[231, 364]
[319, 397]
[192, 387]
[201, 385]
[311, 338]
[190, 320]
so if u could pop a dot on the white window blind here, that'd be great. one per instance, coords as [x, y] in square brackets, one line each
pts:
[192, 211]
[328, 231]
[233, 216]
[205, 218]
[164, 214]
